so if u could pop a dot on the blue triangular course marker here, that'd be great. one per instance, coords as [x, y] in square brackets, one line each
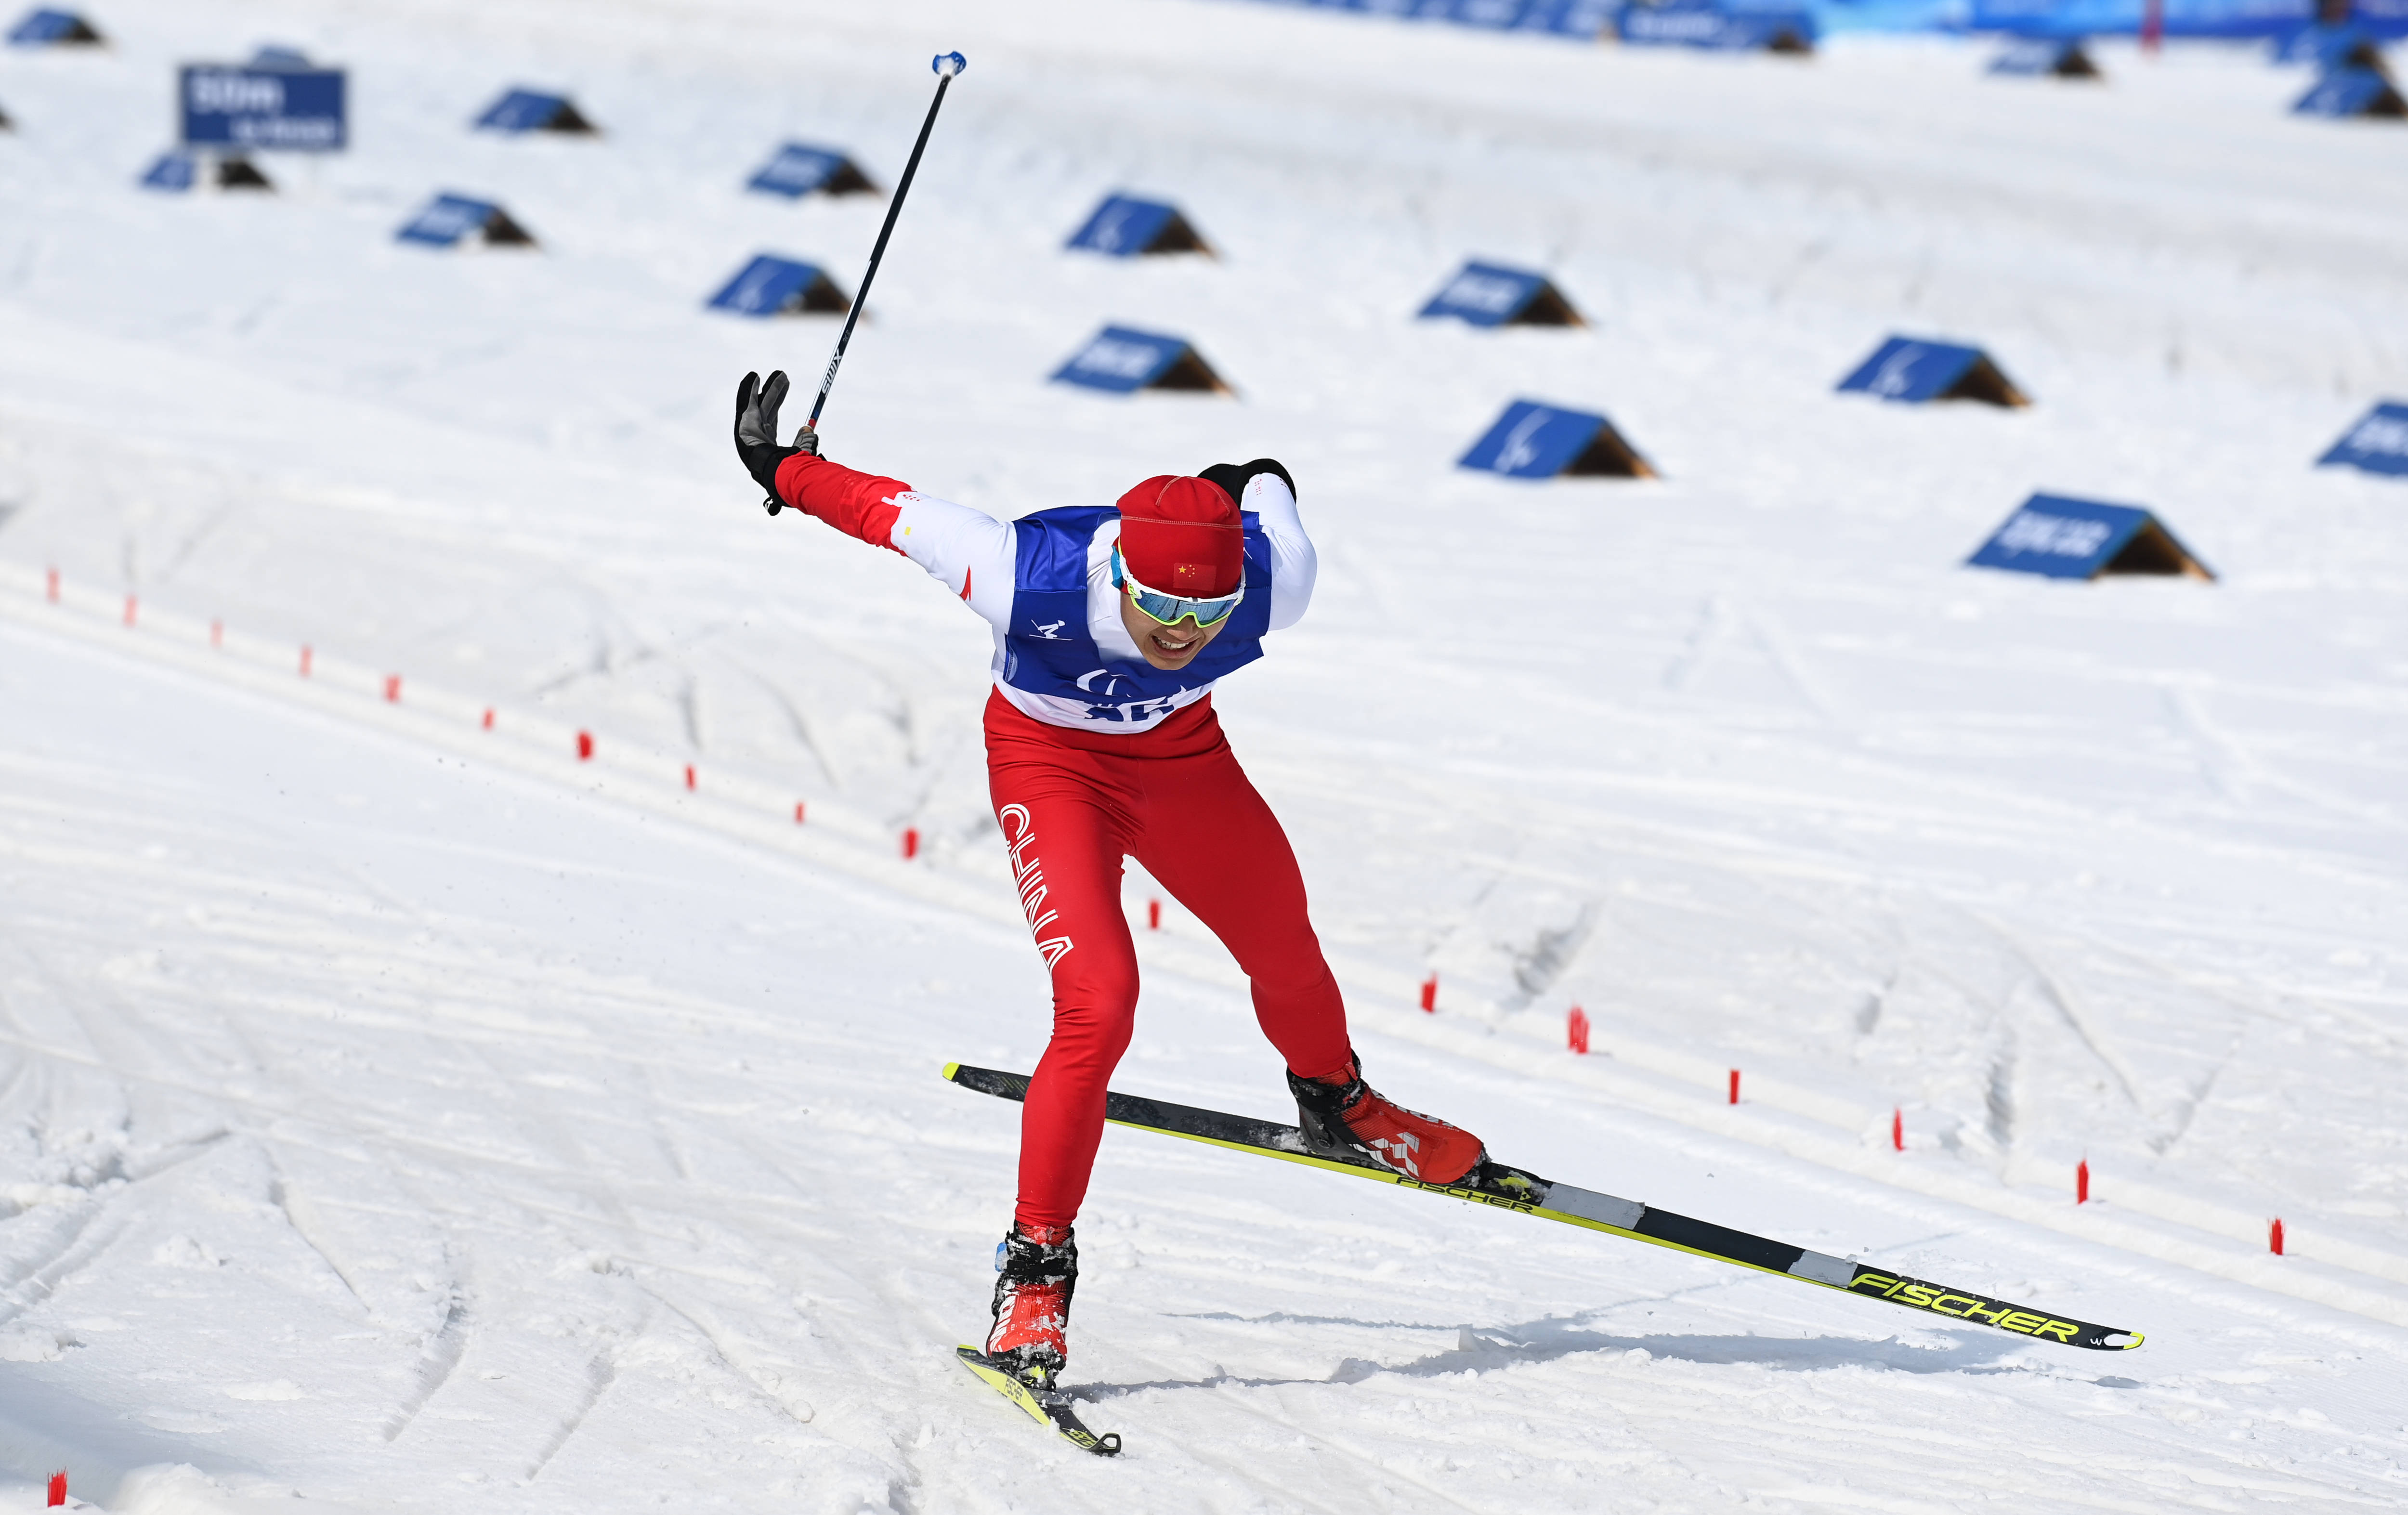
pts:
[2045, 57]
[2351, 91]
[172, 174]
[2066, 538]
[2378, 443]
[800, 169]
[1532, 441]
[450, 220]
[53, 29]
[2348, 45]
[1711, 25]
[1124, 226]
[176, 172]
[531, 111]
[1488, 295]
[774, 286]
[1124, 362]
[1913, 370]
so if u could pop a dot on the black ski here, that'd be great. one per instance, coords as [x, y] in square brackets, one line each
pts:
[1510, 1188]
[1044, 1403]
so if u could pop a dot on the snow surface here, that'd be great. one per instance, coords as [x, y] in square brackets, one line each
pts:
[400, 1114]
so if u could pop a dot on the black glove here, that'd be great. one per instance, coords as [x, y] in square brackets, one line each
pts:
[1235, 477]
[756, 432]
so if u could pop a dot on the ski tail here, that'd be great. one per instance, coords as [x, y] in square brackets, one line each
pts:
[1510, 1188]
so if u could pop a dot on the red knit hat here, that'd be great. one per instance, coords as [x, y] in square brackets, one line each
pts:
[1183, 537]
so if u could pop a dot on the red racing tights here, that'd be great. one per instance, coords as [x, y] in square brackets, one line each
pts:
[1073, 804]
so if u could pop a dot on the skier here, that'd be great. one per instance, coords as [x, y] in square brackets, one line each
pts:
[1111, 625]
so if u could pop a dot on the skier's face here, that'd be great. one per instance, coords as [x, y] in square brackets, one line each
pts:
[1168, 647]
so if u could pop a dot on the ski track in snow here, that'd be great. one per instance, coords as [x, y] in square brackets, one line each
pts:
[401, 1132]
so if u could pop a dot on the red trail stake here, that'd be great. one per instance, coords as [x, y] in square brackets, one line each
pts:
[1734, 1094]
[489, 718]
[305, 663]
[2274, 1238]
[1897, 1131]
[911, 843]
[689, 776]
[59, 1488]
[216, 634]
[799, 812]
[1154, 915]
[1429, 994]
[2082, 1181]
[54, 586]
[1576, 1030]
[393, 688]
[584, 746]
[129, 609]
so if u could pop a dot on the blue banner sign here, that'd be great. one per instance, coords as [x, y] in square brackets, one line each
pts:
[2378, 443]
[2057, 537]
[2122, 18]
[1124, 226]
[532, 111]
[172, 174]
[771, 286]
[50, 29]
[1911, 371]
[1714, 26]
[1485, 295]
[2351, 91]
[449, 220]
[1532, 441]
[799, 169]
[249, 107]
[1121, 362]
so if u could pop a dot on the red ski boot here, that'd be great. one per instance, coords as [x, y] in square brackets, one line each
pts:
[1039, 1268]
[1349, 1118]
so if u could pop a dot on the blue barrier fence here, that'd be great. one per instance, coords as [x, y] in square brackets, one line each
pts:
[1588, 19]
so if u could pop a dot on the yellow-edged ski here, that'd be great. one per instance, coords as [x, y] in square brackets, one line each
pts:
[1046, 1404]
[1508, 1188]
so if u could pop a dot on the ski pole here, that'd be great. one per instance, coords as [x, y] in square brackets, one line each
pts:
[947, 64]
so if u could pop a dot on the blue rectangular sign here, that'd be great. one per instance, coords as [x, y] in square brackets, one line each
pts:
[1123, 226]
[2378, 443]
[172, 173]
[765, 286]
[446, 219]
[2060, 539]
[796, 171]
[2349, 92]
[255, 108]
[1485, 295]
[1121, 360]
[1912, 371]
[1532, 441]
[48, 28]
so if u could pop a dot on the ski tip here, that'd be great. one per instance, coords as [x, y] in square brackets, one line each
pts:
[953, 1071]
[2123, 1346]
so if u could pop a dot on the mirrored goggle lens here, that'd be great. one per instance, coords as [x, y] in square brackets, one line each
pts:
[1169, 608]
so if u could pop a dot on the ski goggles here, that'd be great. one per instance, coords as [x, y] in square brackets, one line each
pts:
[1171, 610]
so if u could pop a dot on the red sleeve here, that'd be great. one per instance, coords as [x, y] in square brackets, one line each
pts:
[854, 503]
